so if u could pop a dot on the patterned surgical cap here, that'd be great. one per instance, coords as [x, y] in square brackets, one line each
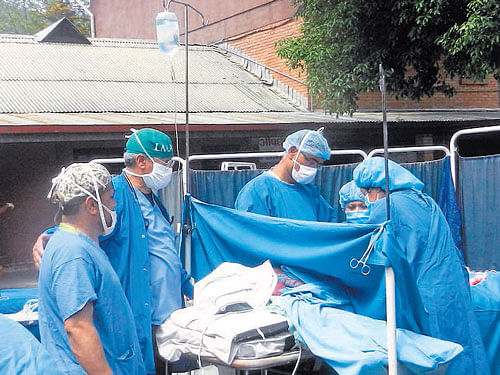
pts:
[78, 180]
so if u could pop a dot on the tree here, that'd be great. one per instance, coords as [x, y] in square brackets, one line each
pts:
[20, 17]
[473, 47]
[30, 16]
[343, 41]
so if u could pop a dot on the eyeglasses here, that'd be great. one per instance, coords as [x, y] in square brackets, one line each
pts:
[169, 163]
[310, 161]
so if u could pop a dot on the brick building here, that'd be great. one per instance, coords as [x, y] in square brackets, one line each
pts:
[251, 28]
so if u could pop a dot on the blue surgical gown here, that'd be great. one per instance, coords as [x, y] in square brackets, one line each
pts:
[268, 195]
[21, 353]
[127, 249]
[75, 271]
[169, 280]
[424, 236]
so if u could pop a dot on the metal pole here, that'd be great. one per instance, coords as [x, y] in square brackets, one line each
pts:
[390, 298]
[386, 139]
[186, 40]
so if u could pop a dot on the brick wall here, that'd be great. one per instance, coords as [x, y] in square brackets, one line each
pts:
[259, 44]
[468, 95]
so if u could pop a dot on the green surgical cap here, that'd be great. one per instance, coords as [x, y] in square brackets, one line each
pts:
[151, 142]
[315, 143]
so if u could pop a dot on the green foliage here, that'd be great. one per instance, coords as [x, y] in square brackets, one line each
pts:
[343, 41]
[473, 46]
[30, 16]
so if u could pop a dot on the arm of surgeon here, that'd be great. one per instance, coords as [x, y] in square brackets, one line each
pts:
[38, 246]
[85, 342]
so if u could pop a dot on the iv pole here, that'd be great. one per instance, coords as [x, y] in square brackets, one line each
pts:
[390, 292]
[186, 75]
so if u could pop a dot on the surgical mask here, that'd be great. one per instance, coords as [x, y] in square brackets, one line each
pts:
[107, 229]
[160, 176]
[368, 203]
[357, 217]
[305, 174]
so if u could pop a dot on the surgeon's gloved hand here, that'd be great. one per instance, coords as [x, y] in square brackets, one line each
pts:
[38, 248]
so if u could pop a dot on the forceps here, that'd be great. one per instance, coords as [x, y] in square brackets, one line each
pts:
[365, 269]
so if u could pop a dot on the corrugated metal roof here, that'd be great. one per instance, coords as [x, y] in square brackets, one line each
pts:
[124, 76]
[52, 120]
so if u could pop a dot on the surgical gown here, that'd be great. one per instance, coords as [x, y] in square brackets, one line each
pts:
[424, 235]
[268, 195]
[75, 271]
[128, 253]
[169, 280]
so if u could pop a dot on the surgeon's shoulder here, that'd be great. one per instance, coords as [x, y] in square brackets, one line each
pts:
[259, 183]
[64, 246]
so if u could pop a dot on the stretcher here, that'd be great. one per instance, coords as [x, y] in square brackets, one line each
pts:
[295, 357]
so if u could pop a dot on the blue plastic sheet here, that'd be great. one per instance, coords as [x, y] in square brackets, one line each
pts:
[312, 312]
[13, 300]
[222, 187]
[315, 251]
[480, 203]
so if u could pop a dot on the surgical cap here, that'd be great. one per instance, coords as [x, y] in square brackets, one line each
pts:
[315, 143]
[78, 179]
[371, 173]
[350, 193]
[150, 142]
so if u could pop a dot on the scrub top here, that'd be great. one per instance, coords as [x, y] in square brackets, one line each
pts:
[268, 195]
[74, 272]
[21, 352]
[169, 280]
[424, 236]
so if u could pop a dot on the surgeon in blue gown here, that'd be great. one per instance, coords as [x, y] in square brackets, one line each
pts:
[424, 236]
[142, 246]
[352, 201]
[286, 190]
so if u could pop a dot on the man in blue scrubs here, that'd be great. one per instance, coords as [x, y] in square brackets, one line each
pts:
[141, 247]
[423, 234]
[148, 168]
[286, 190]
[86, 323]
[352, 201]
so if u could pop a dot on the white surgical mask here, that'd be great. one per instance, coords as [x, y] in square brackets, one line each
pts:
[305, 174]
[107, 229]
[357, 217]
[159, 177]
